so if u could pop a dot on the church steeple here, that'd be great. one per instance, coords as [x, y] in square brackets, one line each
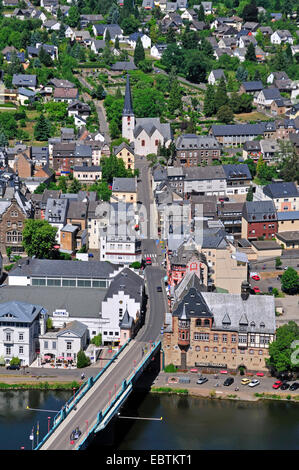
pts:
[128, 118]
[128, 108]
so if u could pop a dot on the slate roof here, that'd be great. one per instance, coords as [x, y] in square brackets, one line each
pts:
[253, 86]
[128, 107]
[259, 211]
[204, 173]
[126, 185]
[149, 125]
[238, 129]
[24, 80]
[16, 311]
[75, 327]
[271, 93]
[237, 171]
[127, 281]
[288, 215]
[120, 66]
[192, 305]
[279, 190]
[64, 268]
[187, 141]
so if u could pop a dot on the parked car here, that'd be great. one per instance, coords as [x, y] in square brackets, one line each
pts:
[159, 289]
[294, 386]
[285, 268]
[13, 367]
[256, 290]
[202, 380]
[270, 289]
[277, 384]
[245, 381]
[285, 386]
[228, 381]
[255, 277]
[254, 383]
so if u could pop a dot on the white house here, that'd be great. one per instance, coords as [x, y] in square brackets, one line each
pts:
[146, 40]
[281, 37]
[69, 32]
[125, 295]
[20, 326]
[157, 50]
[215, 76]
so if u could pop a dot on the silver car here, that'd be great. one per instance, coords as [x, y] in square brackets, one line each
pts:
[254, 383]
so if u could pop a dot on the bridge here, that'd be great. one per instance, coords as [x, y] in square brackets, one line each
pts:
[100, 398]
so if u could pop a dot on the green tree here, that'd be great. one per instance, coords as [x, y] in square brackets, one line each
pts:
[73, 17]
[15, 361]
[201, 13]
[221, 98]
[225, 114]
[42, 129]
[44, 57]
[75, 186]
[112, 167]
[250, 53]
[278, 262]
[139, 53]
[290, 281]
[250, 12]
[209, 108]
[97, 340]
[82, 360]
[39, 238]
[280, 350]
[175, 97]
[249, 196]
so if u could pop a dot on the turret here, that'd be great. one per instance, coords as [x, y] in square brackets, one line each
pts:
[183, 329]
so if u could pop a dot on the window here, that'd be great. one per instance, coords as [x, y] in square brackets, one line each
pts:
[53, 344]
[215, 349]
[68, 283]
[21, 350]
[224, 338]
[8, 350]
[84, 283]
[46, 345]
[234, 338]
[215, 338]
[224, 350]
[196, 336]
[197, 348]
[21, 336]
[143, 143]
[207, 348]
[8, 336]
[68, 345]
[204, 336]
[197, 322]
[54, 282]
[251, 351]
[242, 339]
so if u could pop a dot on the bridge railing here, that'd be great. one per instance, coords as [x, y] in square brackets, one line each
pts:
[119, 394]
[72, 402]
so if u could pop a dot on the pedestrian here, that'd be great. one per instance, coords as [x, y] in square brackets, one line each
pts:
[82, 376]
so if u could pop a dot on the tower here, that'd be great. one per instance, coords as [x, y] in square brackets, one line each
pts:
[128, 118]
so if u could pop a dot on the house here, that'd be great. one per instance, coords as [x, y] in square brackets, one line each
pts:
[266, 96]
[23, 165]
[14, 212]
[228, 43]
[259, 220]
[278, 107]
[148, 4]
[124, 190]
[55, 214]
[205, 180]
[237, 134]
[87, 174]
[244, 41]
[285, 195]
[51, 25]
[123, 66]
[192, 150]
[126, 153]
[146, 40]
[147, 134]
[222, 51]
[238, 178]
[86, 20]
[251, 26]
[270, 150]
[50, 49]
[123, 307]
[157, 50]
[65, 94]
[114, 31]
[207, 8]
[281, 37]
[39, 155]
[204, 330]
[82, 37]
[251, 87]
[251, 149]
[21, 323]
[26, 96]
[24, 81]
[277, 76]
[266, 30]
[215, 76]
[97, 45]
[293, 113]
[77, 108]
[240, 53]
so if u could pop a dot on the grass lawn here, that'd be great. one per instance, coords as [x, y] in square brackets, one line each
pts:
[253, 116]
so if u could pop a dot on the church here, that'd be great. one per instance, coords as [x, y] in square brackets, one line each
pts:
[144, 133]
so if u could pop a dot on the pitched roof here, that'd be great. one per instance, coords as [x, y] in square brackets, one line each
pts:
[259, 211]
[129, 282]
[128, 107]
[278, 190]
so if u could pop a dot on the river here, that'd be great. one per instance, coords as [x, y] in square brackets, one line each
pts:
[188, 423]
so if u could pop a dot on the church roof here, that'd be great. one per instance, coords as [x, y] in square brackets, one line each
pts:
[128, 108]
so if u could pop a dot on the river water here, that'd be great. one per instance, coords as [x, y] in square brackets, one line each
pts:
[188, 423]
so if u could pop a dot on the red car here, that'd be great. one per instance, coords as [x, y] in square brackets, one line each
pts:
[256, 290]
[148, 260]
[277, 384]
[256, 277]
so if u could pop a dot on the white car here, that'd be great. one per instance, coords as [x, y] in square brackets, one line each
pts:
[254, 383]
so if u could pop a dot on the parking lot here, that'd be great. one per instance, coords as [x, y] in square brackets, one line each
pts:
[265, 386]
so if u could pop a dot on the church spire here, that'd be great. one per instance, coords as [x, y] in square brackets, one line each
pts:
[128, 108]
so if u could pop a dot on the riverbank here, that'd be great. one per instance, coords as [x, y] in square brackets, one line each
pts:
[164, 383]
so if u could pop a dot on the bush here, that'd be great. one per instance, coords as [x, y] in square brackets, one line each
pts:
[82, 360]
[97, 340]
[170, 368]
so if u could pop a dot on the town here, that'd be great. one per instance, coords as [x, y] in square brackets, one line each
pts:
[149, 165]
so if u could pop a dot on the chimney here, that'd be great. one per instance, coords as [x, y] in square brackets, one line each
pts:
[245, 290]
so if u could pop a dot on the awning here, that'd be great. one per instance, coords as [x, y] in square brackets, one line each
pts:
[47, 357]
[69, 358]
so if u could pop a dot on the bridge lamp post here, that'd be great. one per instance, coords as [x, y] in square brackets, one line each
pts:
[49, 419]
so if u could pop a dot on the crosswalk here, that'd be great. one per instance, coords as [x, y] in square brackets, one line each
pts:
[153, 256]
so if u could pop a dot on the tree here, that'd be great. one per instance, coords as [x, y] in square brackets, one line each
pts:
[278, 262]
[73, 17]
[82, 360]
[195, 66]
[116, 43]
[75, 186]
[209, 108]
[42, 129]
[44, 57]
[280, 350]
[39, 237]
[290, 281]
[175, 97]
[221, 98]
[201, 13]
[139, 54]
[3, 139]
[102, 190]
[98, 92]
[15, 361]
[250, 12]
[112, 167]
[250, 53]
[249, 196]
[225, 114]
[97, 340]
